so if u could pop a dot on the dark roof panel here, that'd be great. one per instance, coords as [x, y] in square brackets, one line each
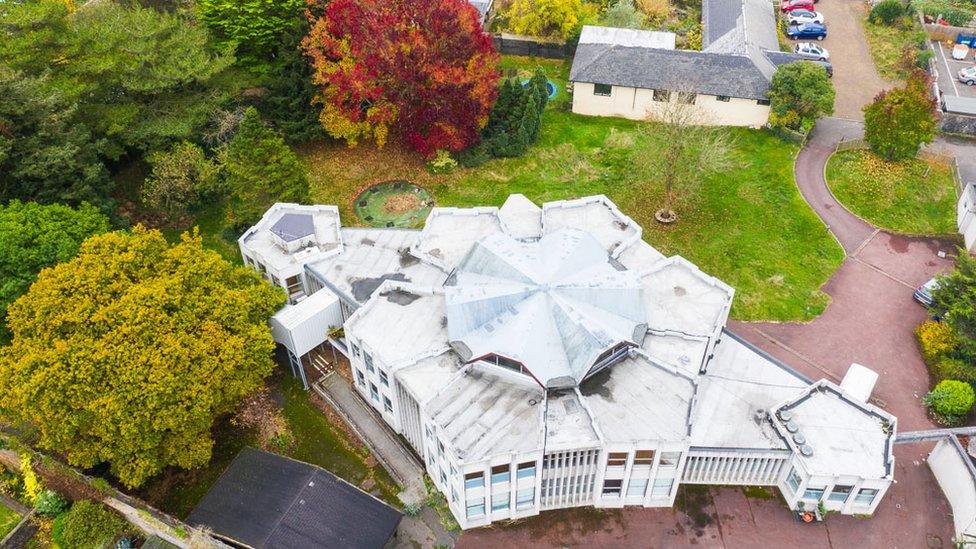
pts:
[676, 70]
[268, 501]
[293, 226]
[718, 18]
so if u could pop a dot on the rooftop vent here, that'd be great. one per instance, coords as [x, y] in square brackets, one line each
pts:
[806, 450]
[799, 439]
[785, 415]
[792, 427]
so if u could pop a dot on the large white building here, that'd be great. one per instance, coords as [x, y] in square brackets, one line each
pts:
[543, 358]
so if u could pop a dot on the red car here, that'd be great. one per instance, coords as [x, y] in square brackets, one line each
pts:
[790, 5]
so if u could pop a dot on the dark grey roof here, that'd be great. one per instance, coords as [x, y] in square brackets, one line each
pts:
[268, 501]
[156, 542]
[677, 70]
[718, 18]
[293, 226]
[782, 58]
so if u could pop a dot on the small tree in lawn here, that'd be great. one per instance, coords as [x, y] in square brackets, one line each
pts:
[678, 151]
[260, 170]
[900, 120]
[424, 71]
[799, 94]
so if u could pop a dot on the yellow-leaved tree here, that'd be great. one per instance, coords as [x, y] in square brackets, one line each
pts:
[548, 18]
[127, 353]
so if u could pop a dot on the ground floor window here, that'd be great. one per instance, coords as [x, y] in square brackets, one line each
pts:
[793, 481]
[813, 494]
[637, 487]
[662, 95]
[524, 498]
[499, 502]
[602, 89]
[360, 378]
[662, 487]
[475, 508]
[611, 487]
[865, 496]
[840, 493]
[762, 101]
[724, 98]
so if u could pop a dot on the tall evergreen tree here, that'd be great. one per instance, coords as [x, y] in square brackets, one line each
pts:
[289, 101]
[260, 169]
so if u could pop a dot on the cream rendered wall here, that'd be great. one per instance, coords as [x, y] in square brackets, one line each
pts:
[957, 484]
[635, 103]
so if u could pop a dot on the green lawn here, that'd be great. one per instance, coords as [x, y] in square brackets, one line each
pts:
[888, 44]
[748, 226]
[8, 520]
[317, 441]
[917, 196]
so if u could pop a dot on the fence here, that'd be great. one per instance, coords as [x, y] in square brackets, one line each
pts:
[513, 44]
[943, 33]
[850, 144]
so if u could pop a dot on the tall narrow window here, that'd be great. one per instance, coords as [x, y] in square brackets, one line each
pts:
[374, 392]
[793, 481]
[387, 405]
[499, 502]
[636, 487]
[369, 363]
[525, 498]
[383, 378]
[662, 487]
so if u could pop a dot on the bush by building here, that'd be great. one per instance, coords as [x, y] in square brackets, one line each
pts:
[950, 400]
[88, 524]
[887, 12]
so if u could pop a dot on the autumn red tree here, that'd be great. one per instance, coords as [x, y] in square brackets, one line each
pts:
[421, 70]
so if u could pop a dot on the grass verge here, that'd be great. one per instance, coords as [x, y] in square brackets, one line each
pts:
[8, 520]
[915, 196]
[891, 46]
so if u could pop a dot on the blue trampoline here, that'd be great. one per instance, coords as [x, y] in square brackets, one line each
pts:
[550, 87]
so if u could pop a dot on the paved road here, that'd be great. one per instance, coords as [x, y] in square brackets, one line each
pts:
[809, 169]
[855, 78]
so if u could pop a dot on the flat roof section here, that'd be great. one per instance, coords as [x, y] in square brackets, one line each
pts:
[260, 241]
[521, 218]
[372, 256]
[685, 353]
[635, 400]
[568, 422]
[681, 298]
[401, 324]
[596, 215]
[425, 378]
[449, 233]
[738, 384]
[592, 34]
[483, 413]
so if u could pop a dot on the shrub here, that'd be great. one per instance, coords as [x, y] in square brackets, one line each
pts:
[950, 400]
[923, 57]
[901, 120]
[953, 368]
[441, 163]
[935, 340]
[474, 156]
[50, 503]
[887, 12]
[32, 484]
[622, 14]
[88, 524]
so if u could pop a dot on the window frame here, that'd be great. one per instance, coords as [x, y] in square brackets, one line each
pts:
[638, 481]
[661, 96]
[525, 469]
[723, 98]
[497, 471]
[607, 89]
[612, 487]
[473, 481]
[617, 459]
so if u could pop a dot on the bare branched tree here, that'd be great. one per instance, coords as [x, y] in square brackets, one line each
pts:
[679, 150]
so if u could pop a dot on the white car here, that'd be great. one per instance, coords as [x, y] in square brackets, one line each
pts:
[968, 76]
[798, 17]
[960, 51]
[809, 50]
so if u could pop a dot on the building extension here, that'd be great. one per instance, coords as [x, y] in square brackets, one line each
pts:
[539, 358]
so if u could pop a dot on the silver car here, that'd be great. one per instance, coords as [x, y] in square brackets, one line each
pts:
[809, 50]
[968, 75]
[805, 16]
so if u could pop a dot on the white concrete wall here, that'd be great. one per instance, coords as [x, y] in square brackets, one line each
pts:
[956, 481]
[636, 103]
[850, 506]
[966, 218]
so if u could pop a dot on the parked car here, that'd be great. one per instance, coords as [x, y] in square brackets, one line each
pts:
[790, 5]
[923, 294]
[807, 30]
[827, 67]
[805, 16]
[960, 52]
[967, 75]
[811, 51]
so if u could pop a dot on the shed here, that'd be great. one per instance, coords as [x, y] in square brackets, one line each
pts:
[954, 471]
[266, 501]
[959, 105]
[305, 326]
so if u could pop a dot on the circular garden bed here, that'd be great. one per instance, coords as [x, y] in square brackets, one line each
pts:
[393, 204]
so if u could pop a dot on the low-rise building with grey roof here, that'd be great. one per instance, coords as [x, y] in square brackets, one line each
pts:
[727, 82]
[543, 357]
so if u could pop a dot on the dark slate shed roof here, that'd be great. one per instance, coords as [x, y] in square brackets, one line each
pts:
[268, 501]
[676, 70]
[293, 226]
[782, 58]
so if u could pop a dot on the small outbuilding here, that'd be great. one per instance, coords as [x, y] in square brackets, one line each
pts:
[266, 501]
